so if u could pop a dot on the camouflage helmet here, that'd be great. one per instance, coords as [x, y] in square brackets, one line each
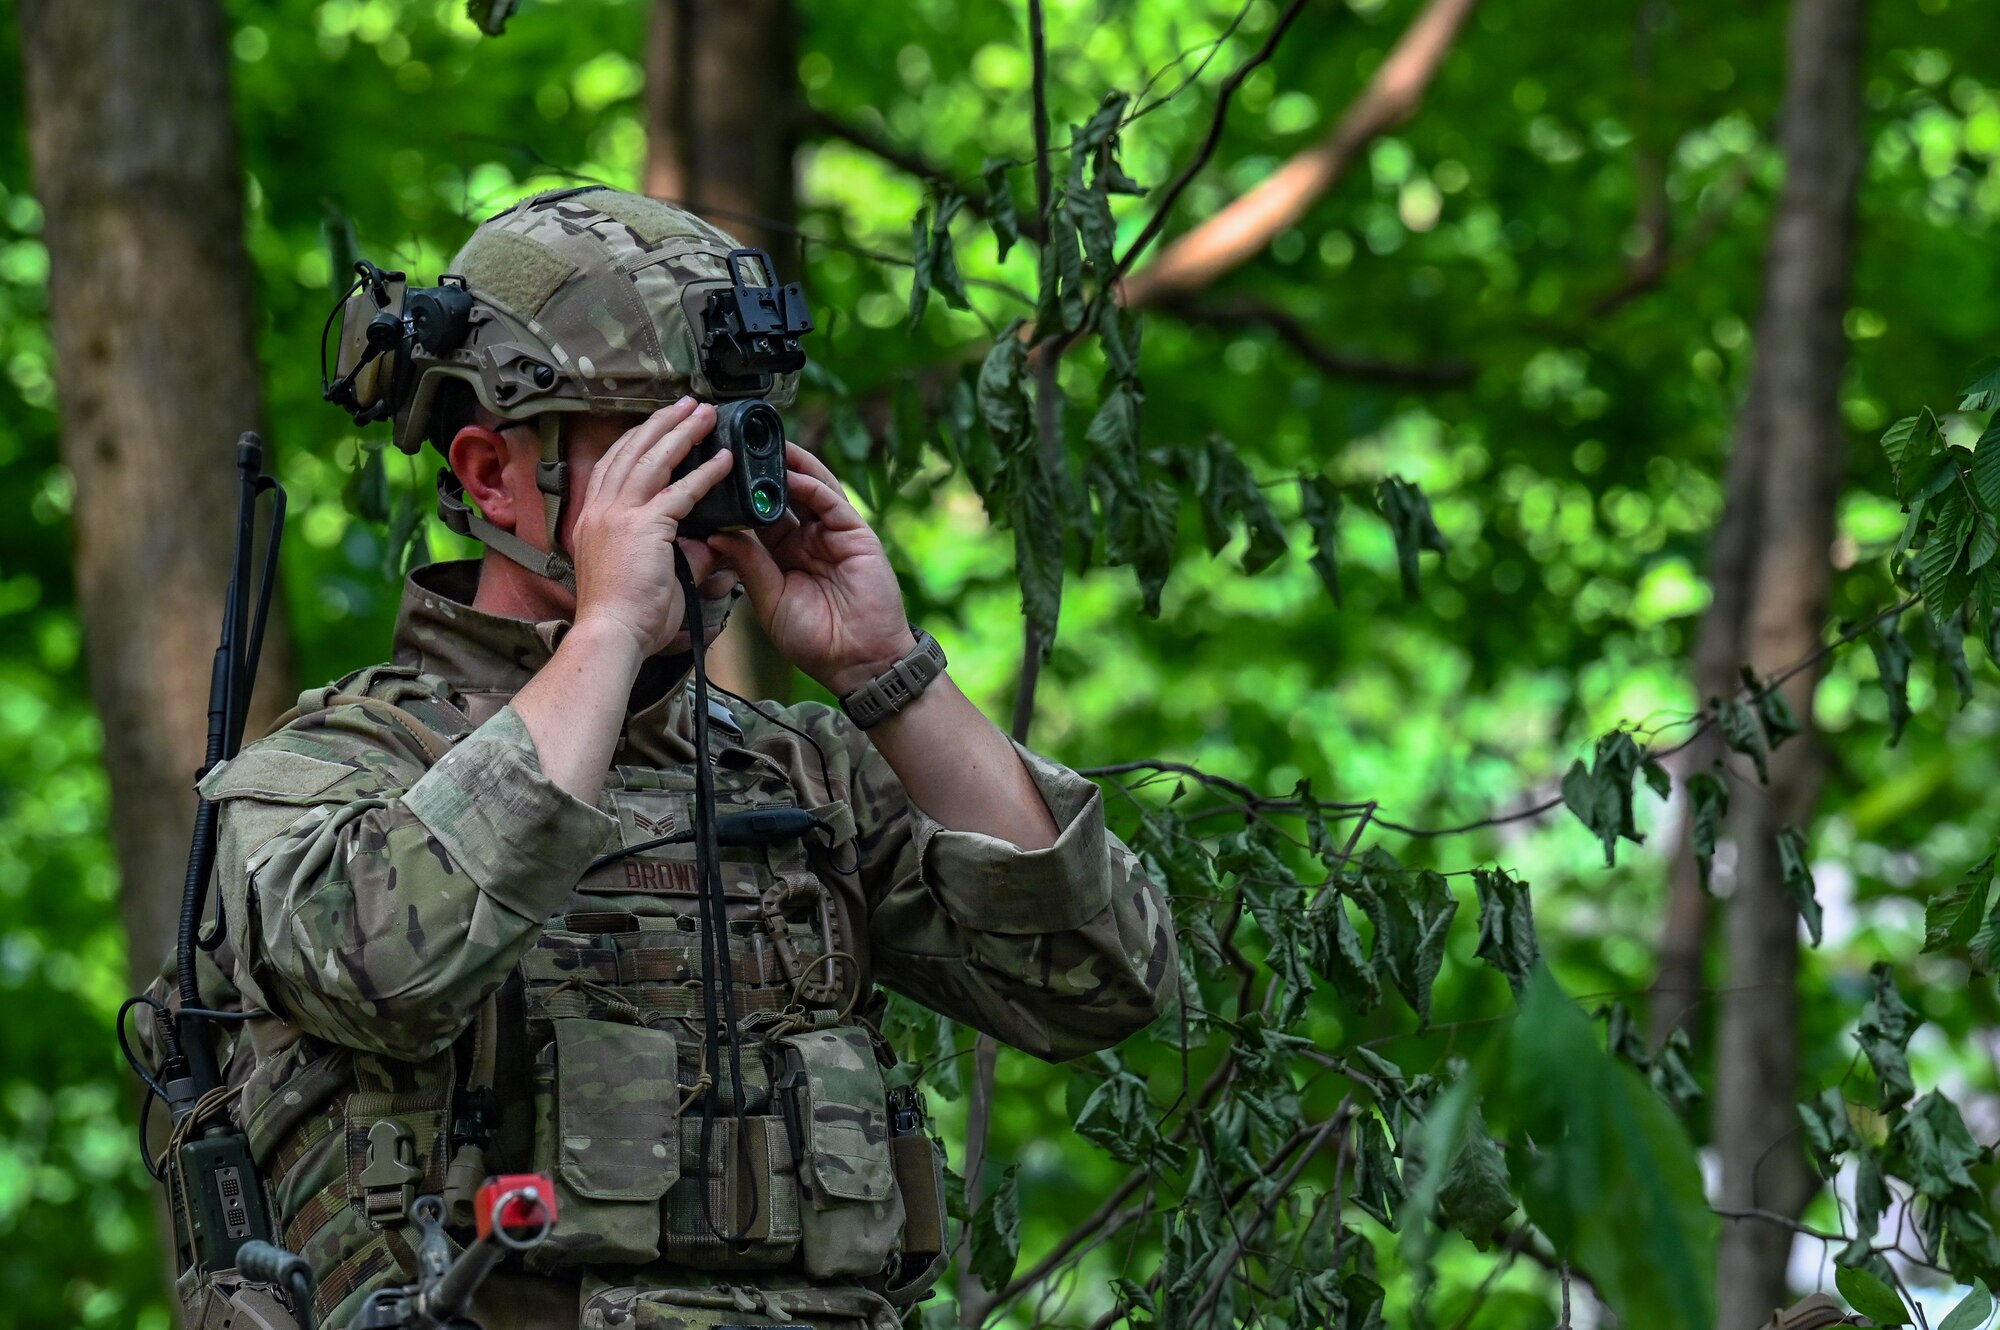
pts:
[586, 299]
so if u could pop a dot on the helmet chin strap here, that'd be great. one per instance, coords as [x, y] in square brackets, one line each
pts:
[552, 478]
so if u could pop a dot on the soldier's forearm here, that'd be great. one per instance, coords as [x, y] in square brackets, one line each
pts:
[962, 771]
[575, 705]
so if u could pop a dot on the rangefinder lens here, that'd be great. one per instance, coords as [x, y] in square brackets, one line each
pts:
[765, 499]
[760, 432]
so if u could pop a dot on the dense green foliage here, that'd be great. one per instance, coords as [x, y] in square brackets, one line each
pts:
[1237, 556]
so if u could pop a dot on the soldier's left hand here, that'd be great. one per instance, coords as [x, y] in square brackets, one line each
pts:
[820, 582]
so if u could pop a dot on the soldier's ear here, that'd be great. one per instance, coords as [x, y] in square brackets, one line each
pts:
[480, 458]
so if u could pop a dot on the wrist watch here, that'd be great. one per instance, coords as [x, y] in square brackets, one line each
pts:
[898, 686]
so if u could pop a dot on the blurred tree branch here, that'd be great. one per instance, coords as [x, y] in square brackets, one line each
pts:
[1229, 238]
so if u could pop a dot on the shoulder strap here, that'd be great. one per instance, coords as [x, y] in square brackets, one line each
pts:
[429, 739]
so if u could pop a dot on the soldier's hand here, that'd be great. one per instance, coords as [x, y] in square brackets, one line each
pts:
[628, 521]
[821, 583]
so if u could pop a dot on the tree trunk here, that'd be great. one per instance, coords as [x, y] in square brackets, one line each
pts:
[133, 141]
[721, 130]
[1787, 472]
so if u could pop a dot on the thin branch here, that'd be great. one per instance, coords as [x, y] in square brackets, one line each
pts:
[911, 162]
[1038, 54]
[1249, 312]
[1253, 803]
[1213, 140]
[1244, 228]
[1264, 1209]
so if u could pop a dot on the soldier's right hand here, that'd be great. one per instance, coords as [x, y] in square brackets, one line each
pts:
[623, 537]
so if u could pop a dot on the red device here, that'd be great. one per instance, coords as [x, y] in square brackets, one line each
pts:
[526, 1205]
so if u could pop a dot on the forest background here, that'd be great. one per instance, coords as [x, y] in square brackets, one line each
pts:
[1495, 485]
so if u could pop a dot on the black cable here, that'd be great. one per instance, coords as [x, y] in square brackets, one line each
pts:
[145, 1146]
[153, 1087]
[712, 914]
[627, 851]
[825, 772]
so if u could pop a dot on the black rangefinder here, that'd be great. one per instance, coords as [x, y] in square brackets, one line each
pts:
[753, 493]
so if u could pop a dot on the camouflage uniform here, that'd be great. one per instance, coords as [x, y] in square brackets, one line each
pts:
[408, 895]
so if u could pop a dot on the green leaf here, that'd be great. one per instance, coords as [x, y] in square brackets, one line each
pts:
[1612, 1179]
[1797, 869]
[1871, 1202]
[1931, 1148]
[1972, 1311]
[1983, 950]
[1319, 505]
[1953, 916]
[1333, 949]
[1141, 510]
[1983, 393]
[1117, 1117]
[1000, 210]
[1912, 444]
[1002, 393]
[1658, 780]
[1102, 127]
[1943, 574]
[368, 488]
[1412, 913]
[1985, 469]
[1410, 522]
[1742, 731]
[1378, 1185]
[1036, 518]
[1887, 1023]
[491, 15]
[1870, 1296]
[1776, 716]
[342, 248]
[1285, 956]
[1949, 639]
[944, 253]
[996, 1232]
[1828, 1131]
[1601, 795]
[1506, 926]
[1231, 499]
[1477, 1197]
[1672, 1074]
[1059, 303]
[1089, 210]
[1892, 668]
[1119, 333]
[1708, 805]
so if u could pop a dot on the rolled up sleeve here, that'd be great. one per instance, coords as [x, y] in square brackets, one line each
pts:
[517, 835]
[383, 907]
[1059, 951]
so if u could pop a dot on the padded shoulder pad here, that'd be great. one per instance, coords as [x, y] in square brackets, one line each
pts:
[275, 774]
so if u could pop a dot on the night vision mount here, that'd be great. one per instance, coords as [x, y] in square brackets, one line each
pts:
[752, 332]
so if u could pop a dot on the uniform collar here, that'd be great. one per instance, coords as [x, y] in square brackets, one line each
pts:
[486, 658]
[439, 632]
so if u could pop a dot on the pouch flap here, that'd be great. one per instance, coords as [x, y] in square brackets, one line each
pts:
[846, 1114]
[616, 1135]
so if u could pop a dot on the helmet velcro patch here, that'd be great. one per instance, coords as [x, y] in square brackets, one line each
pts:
[650, 219]
[514, 271]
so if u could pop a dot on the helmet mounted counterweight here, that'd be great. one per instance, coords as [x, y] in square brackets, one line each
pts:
[589, 300]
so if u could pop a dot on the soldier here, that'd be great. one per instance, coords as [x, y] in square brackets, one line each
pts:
[446, 884]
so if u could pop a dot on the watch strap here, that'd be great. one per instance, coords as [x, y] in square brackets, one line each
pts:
[898, 686]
